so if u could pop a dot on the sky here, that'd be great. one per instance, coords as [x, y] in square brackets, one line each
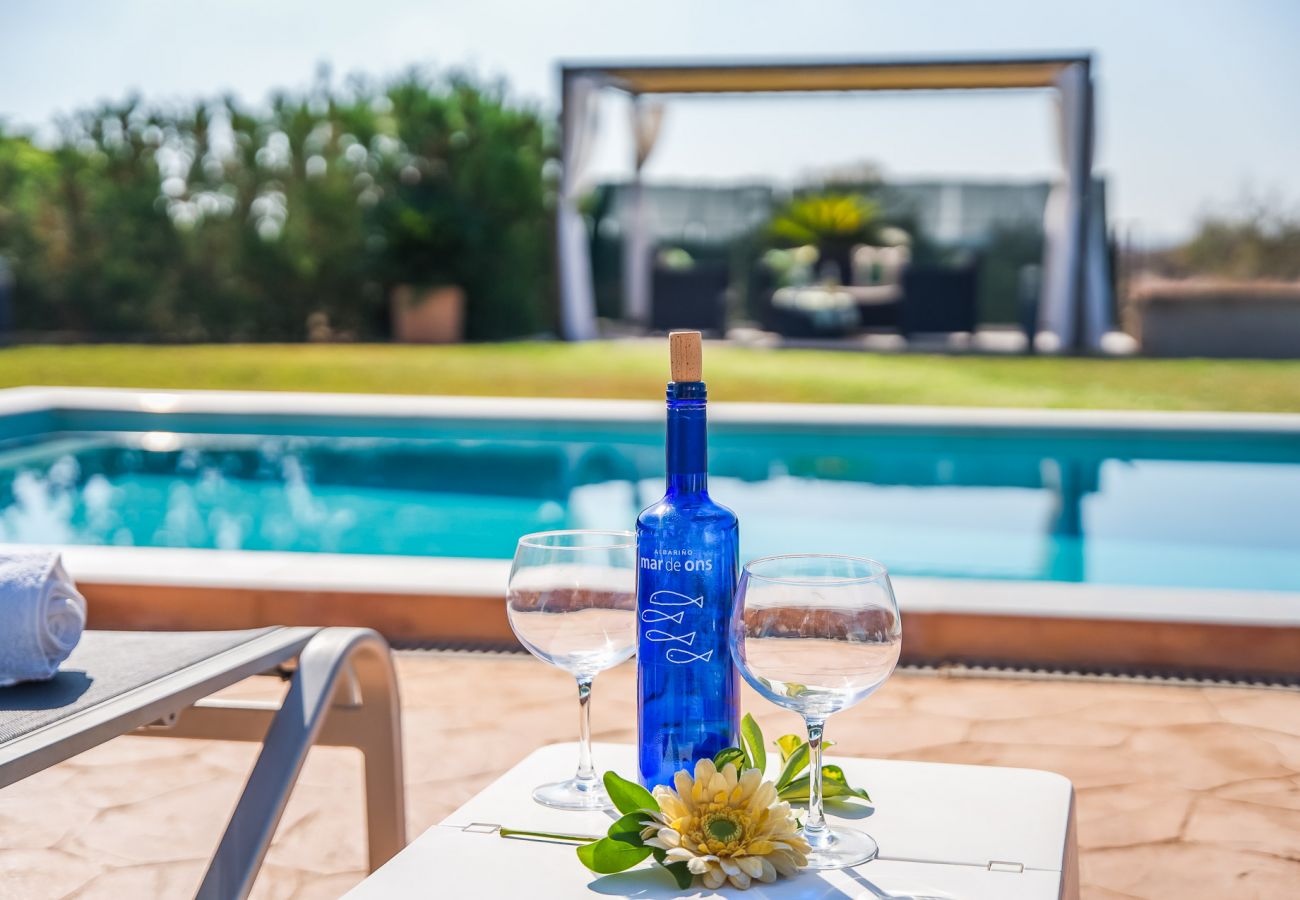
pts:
[1198, 100]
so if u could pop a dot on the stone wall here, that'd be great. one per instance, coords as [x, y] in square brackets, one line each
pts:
[1197, 317]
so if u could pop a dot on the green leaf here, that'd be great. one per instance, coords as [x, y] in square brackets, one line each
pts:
[627, 828]
[621, 849]
[607, 855]
[835, 775]
[681, 873]
[794, 753]
[678, 870]
[834, 784]
[751, 737]
[795, 763]
[729, 755]
[628, 796]
[787, 744]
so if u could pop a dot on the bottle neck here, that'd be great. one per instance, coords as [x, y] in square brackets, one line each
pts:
[688, 448]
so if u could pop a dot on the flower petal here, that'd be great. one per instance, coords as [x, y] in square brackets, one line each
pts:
[783, 863]
[697, 866]
[683, 782]
[704, 769]
[669, 837]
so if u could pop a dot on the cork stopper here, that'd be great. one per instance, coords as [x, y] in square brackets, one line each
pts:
[684, 355]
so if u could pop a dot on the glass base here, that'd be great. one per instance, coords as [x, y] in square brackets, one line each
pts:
[573, 794]
[840, 848]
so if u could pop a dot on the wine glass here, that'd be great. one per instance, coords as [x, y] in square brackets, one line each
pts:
[572, 602]
[817, 634]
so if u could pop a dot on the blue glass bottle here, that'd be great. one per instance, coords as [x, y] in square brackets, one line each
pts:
[687, 547]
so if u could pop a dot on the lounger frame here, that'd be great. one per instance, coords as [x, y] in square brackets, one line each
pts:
[342, 692]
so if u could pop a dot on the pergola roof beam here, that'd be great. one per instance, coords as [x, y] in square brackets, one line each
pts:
[865, 75]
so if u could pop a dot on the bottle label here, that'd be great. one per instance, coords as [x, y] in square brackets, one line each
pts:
[674, 628]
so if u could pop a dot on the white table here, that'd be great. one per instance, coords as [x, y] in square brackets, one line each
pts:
[969, 832]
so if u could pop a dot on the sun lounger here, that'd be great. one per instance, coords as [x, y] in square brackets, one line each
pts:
[342, 692]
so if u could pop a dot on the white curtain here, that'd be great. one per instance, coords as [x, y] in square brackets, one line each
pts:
[1076, 287]
[1099, 286]
[578, 134]
[647, 119]
[1063, 219]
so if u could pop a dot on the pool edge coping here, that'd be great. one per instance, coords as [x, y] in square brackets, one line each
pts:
[37, 399]
[293, 572]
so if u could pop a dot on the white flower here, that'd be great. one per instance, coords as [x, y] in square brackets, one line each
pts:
[726, 826]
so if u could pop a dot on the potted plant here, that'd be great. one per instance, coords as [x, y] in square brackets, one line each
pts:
[832, 222]
[422, 250]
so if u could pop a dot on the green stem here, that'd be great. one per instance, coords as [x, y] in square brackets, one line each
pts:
[577, 838]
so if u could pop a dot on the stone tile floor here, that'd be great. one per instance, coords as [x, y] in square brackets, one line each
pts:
[1184, 792]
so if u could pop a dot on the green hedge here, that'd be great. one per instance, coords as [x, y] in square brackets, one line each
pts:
[219, 221]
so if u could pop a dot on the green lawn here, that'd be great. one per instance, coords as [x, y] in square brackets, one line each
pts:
[640, 369]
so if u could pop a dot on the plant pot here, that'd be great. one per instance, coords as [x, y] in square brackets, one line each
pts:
[427, 315]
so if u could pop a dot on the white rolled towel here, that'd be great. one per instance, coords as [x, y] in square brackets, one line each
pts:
[42, 615]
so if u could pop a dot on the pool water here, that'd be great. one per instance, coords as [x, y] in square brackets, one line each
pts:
[1173, 510]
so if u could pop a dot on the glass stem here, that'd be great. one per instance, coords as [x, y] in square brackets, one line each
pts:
[586, 774]
[814, 829]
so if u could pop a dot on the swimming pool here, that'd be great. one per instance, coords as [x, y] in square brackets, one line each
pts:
[1097, 498]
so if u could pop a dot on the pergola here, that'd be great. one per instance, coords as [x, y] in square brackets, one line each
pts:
[1075, 302]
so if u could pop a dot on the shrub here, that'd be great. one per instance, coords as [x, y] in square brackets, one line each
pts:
[215, 221]
[1259, 242]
